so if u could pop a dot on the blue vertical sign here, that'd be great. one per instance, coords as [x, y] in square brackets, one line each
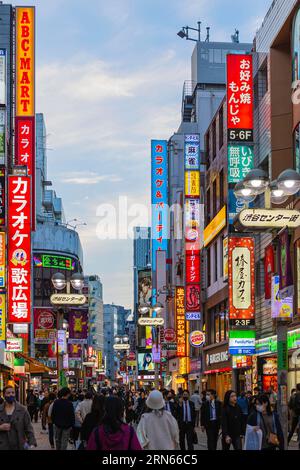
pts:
[159, 200]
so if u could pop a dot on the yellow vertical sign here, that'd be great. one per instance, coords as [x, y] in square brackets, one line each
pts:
[2, 260]
[99, 359]
[25, 62]
[2, 318]
[192, 184]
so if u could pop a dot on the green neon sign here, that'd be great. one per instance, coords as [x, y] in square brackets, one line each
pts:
[61, 262]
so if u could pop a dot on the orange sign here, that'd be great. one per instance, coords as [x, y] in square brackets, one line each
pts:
[25, 62]
[180, 322]
[2, 259]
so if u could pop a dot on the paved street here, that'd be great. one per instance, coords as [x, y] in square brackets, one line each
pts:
[43, 441]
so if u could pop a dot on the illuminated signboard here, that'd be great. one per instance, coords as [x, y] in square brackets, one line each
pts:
[2, 259]
[241, 281]
[180, 322]
[159, 191]
[2, 318]
[19, 250]
[215, 227]
[14, 345]
[2, 197]
[192, 269]
[280, 308]
[240, 162]
[242, 343]
[2, 136]
[53, 261]
[2, 76]
[192, 184]
[240, 97]
[25, 96]
[267, 219]
[192, 151]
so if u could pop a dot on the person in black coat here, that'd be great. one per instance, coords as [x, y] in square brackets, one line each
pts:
[186, 421]
[268, 421]
[171, 404]
[211, 411]
[129, 408]
[232, 422]
[92, 419]
[63, 418]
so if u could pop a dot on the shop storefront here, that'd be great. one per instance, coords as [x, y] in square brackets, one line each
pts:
[217, 367]
[242, 368]
[6, 368]
[266, 350]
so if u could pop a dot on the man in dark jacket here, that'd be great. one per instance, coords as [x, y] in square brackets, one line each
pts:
[232, 422]
[294, 405]
[171, 404]
[32, 405]
[63, 418]
[211, 411]
[186, 421]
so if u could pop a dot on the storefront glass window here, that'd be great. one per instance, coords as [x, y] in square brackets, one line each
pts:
[297, 148]
[296, 47]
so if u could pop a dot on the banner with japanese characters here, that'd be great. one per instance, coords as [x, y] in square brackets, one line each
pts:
[2, 317]
[2, 196]
[19, 249]
[241, 281]
[2, 259]
[3, 77]
[285, 262]
[192, 151]
[159, 193]
[269, 266]
[25, 95]
[240, 97]
[180, 321]
[2, 135]
[240, 162]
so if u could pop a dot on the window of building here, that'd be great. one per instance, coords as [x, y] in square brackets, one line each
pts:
[207, 144]
[214, 138]
[221, 128]
[221, 179]
[297, 148]
[221, 258]
[208, 207]
[214, 208]
[217, 56]
[215, 262]
[208, 266]
[219, 323]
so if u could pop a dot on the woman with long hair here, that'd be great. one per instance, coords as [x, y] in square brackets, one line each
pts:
[232, 422]
[113, 433]
[265, 419]
[92, 419]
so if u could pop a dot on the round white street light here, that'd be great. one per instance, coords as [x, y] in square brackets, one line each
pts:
[278, 195]
[143, 309]
[77, 281]
[59, 281]
[289, 182]
[258, 180]
[158, 308]
[244, 193]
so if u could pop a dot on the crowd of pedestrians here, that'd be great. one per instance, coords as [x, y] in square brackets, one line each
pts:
[116, 419]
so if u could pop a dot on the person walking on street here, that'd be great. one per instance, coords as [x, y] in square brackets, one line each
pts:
[129, 408]
[195, 398]
[47, 418]
[294, 406]
[273, 398]
[265, 419]
[158, 430]
[16, 431]
[232, 422]
[186, 421]
[113, 433]
[32, 405]
[43, 403]
[141, 406]
[92, 420]
[63, 418]
[84, 407]
[244, 405]
[211, 411]
[170, 404]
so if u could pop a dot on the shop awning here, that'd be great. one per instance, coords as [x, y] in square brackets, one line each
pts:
[35, 367]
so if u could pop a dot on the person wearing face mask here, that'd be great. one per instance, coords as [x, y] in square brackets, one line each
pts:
[186, 421]
[211, 411]
[170, 404]
[263, 418]
[16, 431]
[232, 422]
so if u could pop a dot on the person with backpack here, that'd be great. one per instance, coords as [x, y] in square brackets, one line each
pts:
[92, 420]
[63, 418]
[113, 433]
[294, 406]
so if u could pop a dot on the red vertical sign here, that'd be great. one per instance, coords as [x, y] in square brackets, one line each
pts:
[19, 249]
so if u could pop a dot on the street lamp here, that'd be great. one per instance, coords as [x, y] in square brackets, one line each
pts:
[276, 192]
[77, 281]
[59, 281]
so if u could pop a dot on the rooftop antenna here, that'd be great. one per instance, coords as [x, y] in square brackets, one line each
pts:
[207, 34]
[184, 32]
[235, 37]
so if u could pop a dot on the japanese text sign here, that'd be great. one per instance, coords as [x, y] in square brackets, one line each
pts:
[192, 269]
[19, 252]
[78, 326]
[2, 76]
[240, 162]
[2, 318]
[241, 278]
[2, 197]
[2, 259]
[192, 151]
[192, 184]
[25, 61]
[180, 322]
[159, 192]
[239, 91]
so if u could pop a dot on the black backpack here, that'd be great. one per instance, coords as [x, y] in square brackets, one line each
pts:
[296, 404]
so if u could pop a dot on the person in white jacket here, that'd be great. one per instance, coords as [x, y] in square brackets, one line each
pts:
[158, 430]
[84, 407]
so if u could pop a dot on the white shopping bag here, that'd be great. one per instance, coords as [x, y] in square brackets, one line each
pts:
[253, 439]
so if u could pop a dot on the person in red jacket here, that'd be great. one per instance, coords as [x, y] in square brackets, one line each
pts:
[113, 433]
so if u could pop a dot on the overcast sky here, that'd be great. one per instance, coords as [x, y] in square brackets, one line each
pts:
[109, 79]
